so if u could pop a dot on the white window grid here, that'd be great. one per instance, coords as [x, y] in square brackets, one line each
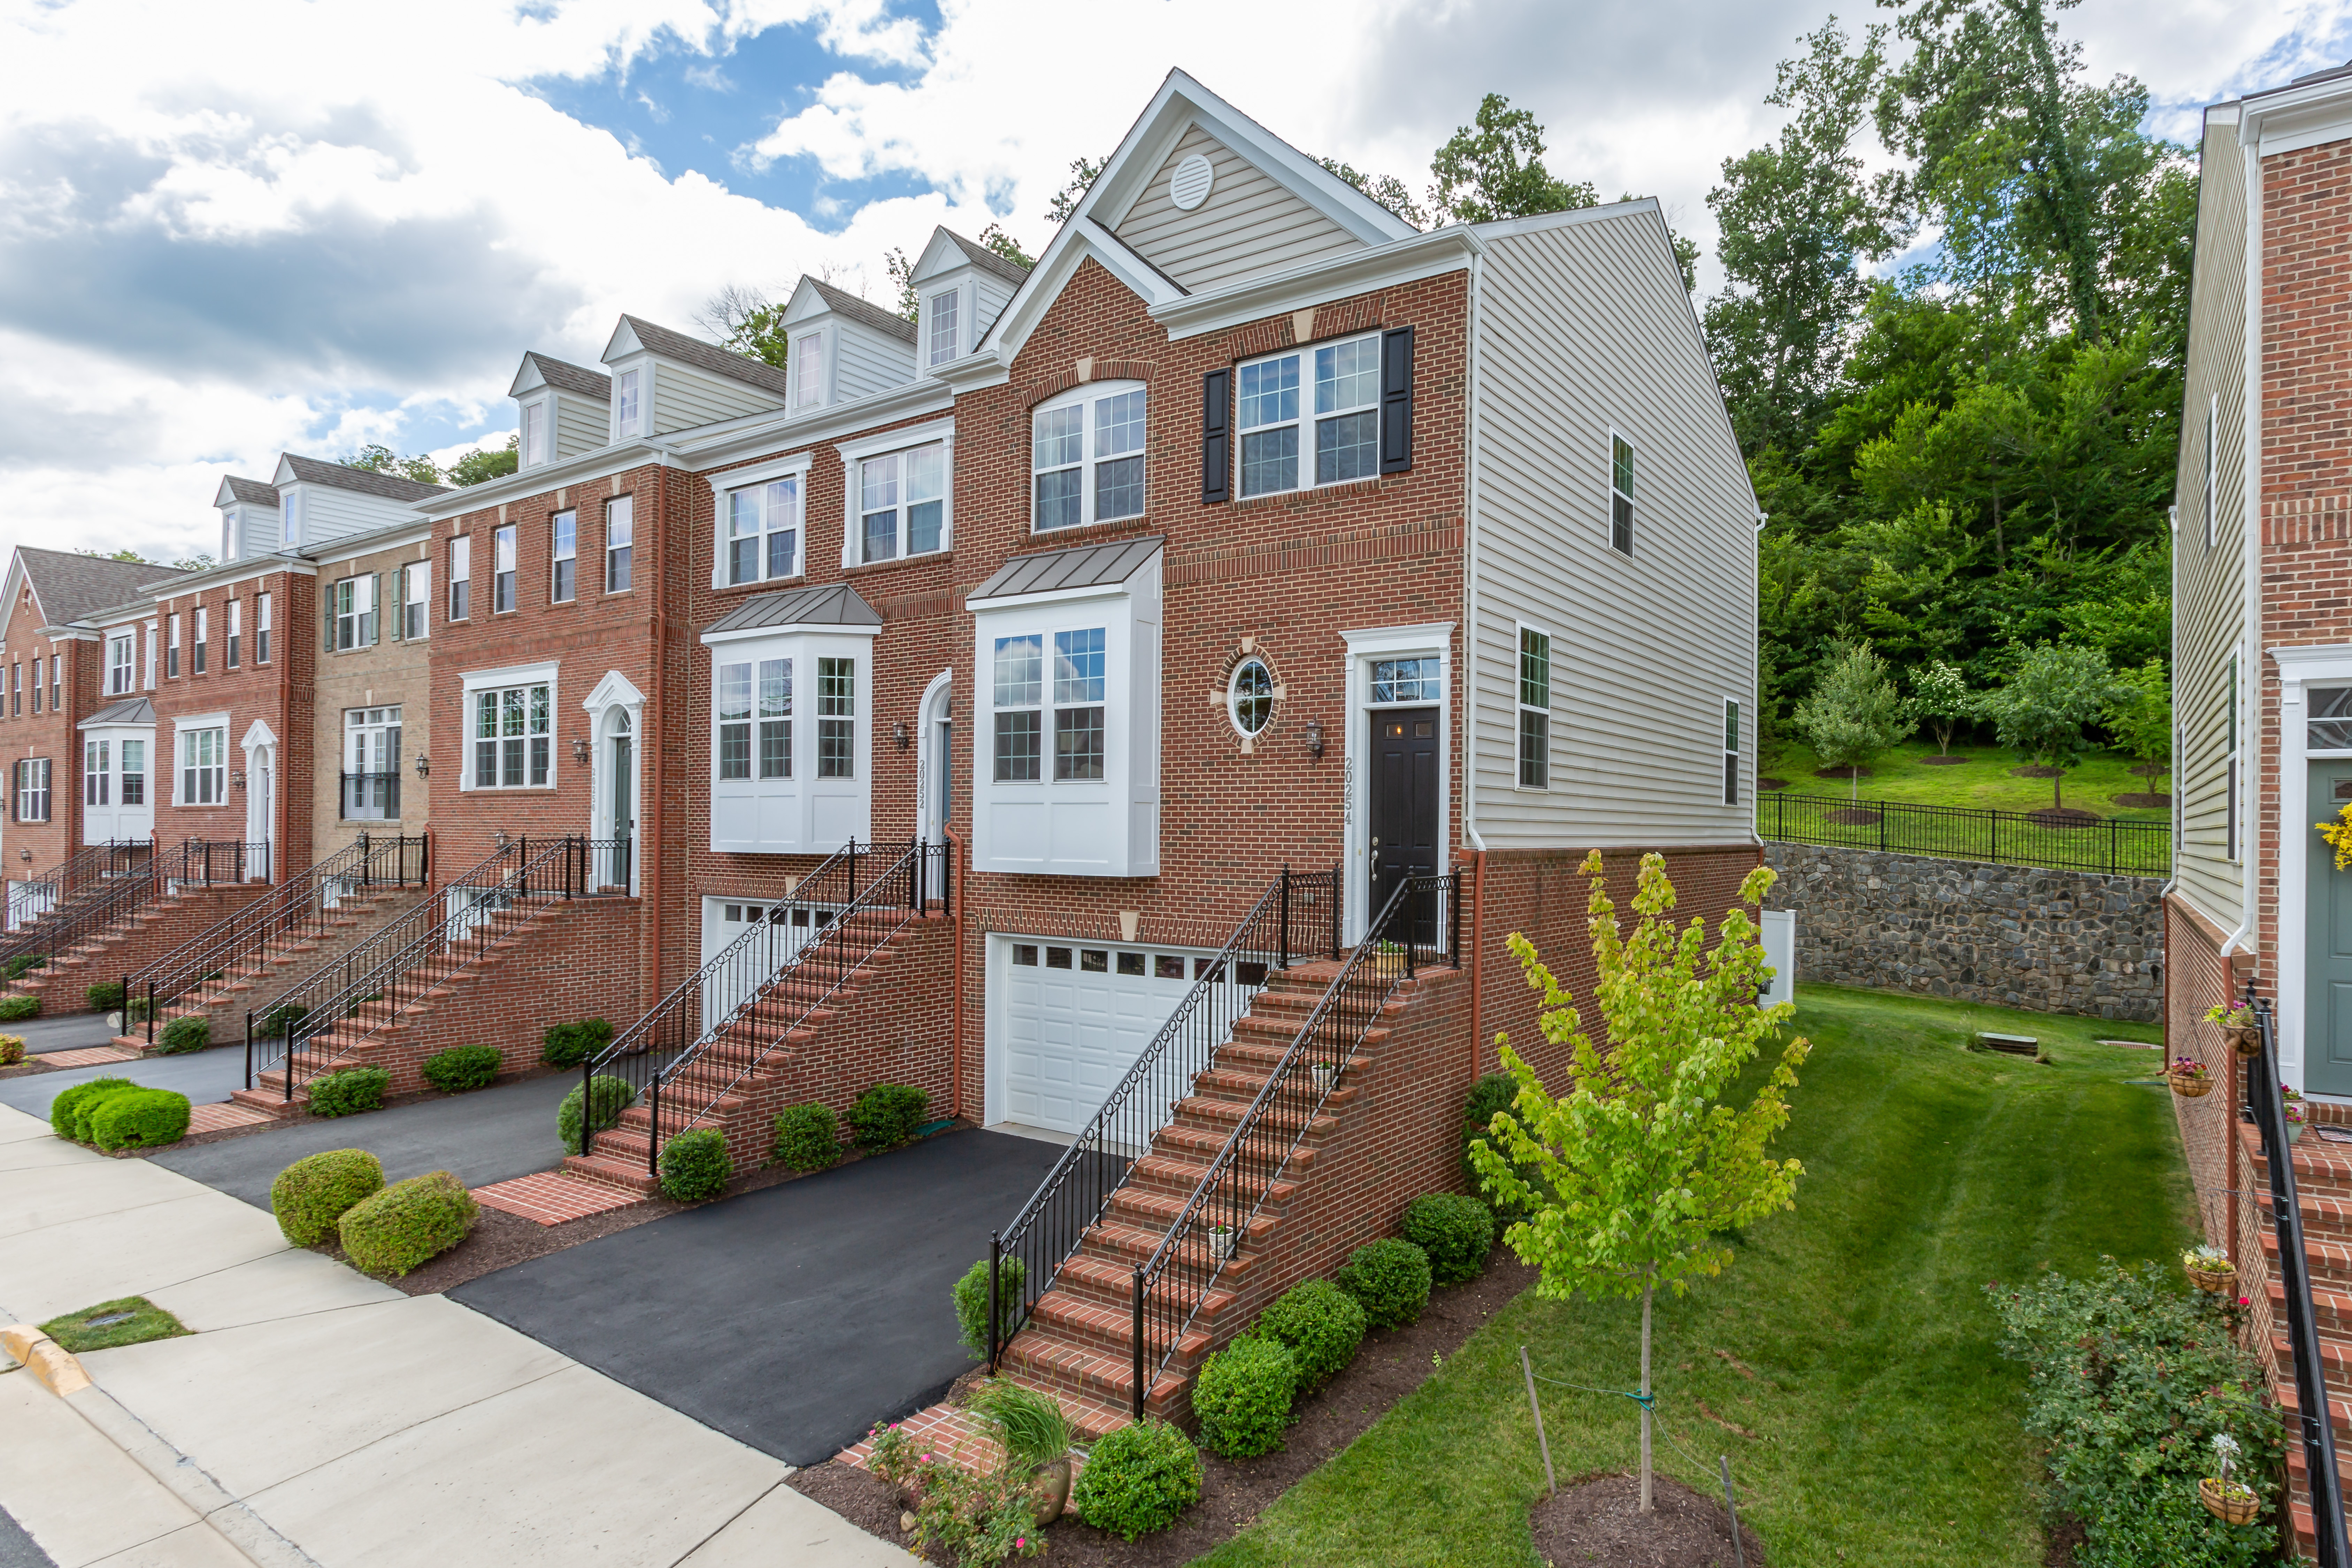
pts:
[156, 643]
[461, 576]
[624, 403]
[260, 628]
[172, 647]
[1535, 707]
[201, 641]
[1310, 416]
[902, 503]
[513, 730]
[354, 605]
[415, 595]
[1249, 697]
[944, 313]
[97, 770]
[33, 789]
[1087, 457]
[807, 357]
[120, 670]
[563, 561]
[534, 433]
[503, 568]
[1731, 750]
[236, 629]
[761, 526]
[620, 542]
[134, 772]
[1050, 705]
[752, 716]
[204, 767]
[1621, 493]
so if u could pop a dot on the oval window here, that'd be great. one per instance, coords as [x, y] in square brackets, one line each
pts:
[1251, 696]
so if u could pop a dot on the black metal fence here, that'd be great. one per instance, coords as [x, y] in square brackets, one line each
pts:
[88, 869]
[109, 899]
[2118, 846]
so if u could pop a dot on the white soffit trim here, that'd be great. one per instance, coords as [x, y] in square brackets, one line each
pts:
[2296, 117]
[789, 629]
[1355, 272]
[758, 473]
[599, 463]
[751, 434]
[2305, 663]
[1401, 639]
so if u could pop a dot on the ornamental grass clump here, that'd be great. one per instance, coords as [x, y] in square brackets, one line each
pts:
[695, 1167]
[1137, 1480]
[1390, 1279]
[1242, 1397]
[409, 1223]
[312, 1194]
[1321, 1323]
[1456, 1232]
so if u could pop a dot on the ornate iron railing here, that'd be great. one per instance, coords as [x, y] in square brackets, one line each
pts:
[2314, 1414]
[90, 867]
[296, 910]
[2118, 846]
[371, 798]
[1422, 918]
[1296, 918]
[196, 862]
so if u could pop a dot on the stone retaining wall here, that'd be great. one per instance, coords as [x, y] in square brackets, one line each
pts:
[2022, 936]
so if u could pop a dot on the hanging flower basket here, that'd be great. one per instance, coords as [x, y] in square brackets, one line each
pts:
[2210, 1269]
[2247, 1043]
[2231, 1502]
[2188, 1078]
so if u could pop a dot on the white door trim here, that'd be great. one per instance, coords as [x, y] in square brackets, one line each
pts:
[617, 694]
[1430, 638]
[2299, 668]
[260, 747]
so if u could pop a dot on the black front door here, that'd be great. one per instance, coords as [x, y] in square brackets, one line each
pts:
[1405, 772]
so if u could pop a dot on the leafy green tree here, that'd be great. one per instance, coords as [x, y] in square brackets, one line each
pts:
[1631, 1179]
[744, 321]
[1941, 695]
[1386, 189]
[1853, 714]
[2043, 710]
[2140, 717]
[480, 464]
[1005, 246]
[1084, 173]
[902, 275]
[1493, 168]
[380, 460]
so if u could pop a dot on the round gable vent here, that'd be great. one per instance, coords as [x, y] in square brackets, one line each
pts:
[1189, 186]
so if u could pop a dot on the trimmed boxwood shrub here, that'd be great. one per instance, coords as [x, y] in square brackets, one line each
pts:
[568, 1045]
[66, 1106]
[408, 1223]
[1456, 1232]
[311, 1194]
[1390, 1279]
[15, 1009]
[461, 1068]
[190, 1032]
[12, 1049]
[808, 1137]
[17, 966]
[888, 1114]
[138, 1119]
[105, 997]
[1242, 1397]
[1137, 1479]
[695, 1167]
[971, 1303]
[613, 1095]
[347, 1091]
[1322, 1325]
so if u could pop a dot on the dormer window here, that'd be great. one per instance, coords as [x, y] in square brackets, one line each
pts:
[291, 517]
[534, 433]
[808, 371]
[624, 403]
[944, 316]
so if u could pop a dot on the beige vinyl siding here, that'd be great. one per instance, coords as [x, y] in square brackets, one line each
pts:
[1582, 328]
[684, 398]
[993, 295]
[2209, 590]
[582, 425]
[1249, 224]
[329, 513]
[869, 362]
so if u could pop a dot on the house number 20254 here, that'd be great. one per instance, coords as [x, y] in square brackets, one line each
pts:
[1348, 791]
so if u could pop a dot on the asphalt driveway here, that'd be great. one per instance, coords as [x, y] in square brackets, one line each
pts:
[65, 1032]
[792, 1318]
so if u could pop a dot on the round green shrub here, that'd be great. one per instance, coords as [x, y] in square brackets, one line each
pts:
[86, 1108]
[311, 1194]
[278, 1020]
[15, 968]
[695, 1167]
[68, 1103]
[190, 1032]
[1390, 1279]
[1493, 1093]
[347, 1091]
[463, 1068]
[1137, 1479]
[12, 1049]
[408, 1223]
[613, 1095]
[886, 1115]
[1322, 1325]
[15, 1009]
[1242, 1397]
[971, 1303]
[568, 1045]
[105, 997]
[808, 1137]
[138, 1119]
[1456, 1232]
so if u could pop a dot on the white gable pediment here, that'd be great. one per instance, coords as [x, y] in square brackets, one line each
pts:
[623, 343]
[806, 302]
[529, 378]
[614, 689]
[258, 735]
[942, 256]
[1209, 216]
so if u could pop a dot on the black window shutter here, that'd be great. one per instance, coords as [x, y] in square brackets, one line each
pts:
[1216, 436]
[1396, 401]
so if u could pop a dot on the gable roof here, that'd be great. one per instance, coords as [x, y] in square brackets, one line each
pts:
[986, 260]
[1081, 566]
[343, 477]
[659, 340]
[843, 303]
[827, 605]
[565, 377]
[72, 587]
[252, 492]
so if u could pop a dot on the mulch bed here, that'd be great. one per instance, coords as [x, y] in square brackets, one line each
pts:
[1843, 772]
[1389, 1365]
[2036, 770]
[1941, 762]
[30, 1066]
[2142, 798]
[1598, 1520]
[1851, 814]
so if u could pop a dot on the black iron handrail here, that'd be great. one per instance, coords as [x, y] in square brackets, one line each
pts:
[1296, 918]
[2314, 1417]
[2118, 846]
[92, 866]
[196, 862]
[1206, 1233]
[296, 910]
[369, 798]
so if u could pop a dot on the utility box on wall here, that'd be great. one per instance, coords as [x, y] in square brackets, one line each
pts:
[1780, 933]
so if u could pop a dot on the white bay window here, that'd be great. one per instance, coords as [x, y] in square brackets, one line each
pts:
[791, 723]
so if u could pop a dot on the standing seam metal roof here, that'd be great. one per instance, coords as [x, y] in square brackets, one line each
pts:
[1082, 566]
[826, 604]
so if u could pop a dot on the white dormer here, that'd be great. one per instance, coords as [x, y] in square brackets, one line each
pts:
[319, 501]
[843, 349]
[561, 409]
[249, 519]
[663, 381]
[960, 285]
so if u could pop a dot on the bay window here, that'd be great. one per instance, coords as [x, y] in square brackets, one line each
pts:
[1086, 457]
[779, 786]
[837, 718]
[97, 772]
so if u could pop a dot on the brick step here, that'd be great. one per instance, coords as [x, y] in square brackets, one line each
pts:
[2331, 1313]
[270, 1100]
[1044, 1361]
[1224, 1114]
[613, 1171]
[1097, 1281]
[2328, 1262]
[1147, 1208]
[1106, 1327]
[2324, 1218]
[1200, 1145]
[2324, 1170]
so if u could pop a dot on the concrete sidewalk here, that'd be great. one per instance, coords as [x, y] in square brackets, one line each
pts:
[318, 1416]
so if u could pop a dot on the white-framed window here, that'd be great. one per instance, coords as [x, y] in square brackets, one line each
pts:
[1069, 700]
[808, 370]
[354, 611]
[1085, 456]
[534, 433]
[134, 772]
[291, 514]
[1402, 680]
[120, 670]
[372, 759]
[1731, 750]
[763, 530]
[1249, 697]
[17, 695]
[2230, 762]
[461, 576]
[624, 403]
[944, 316]
[32, 789]
[1535, 707]
[236, 616]
[563, 563]
[902, 503]
[754, 715]
[620, 542]
[37, 683]
[97, 772]
[837, 718]
[790, 746]
[1621, 493]
[514, 736]
[203, 640]
[204, 767]
[1310, 416]
[172, 649]
[260, 628]
[155, 642]
[502, 569]
[415, 592]
[2212, 424]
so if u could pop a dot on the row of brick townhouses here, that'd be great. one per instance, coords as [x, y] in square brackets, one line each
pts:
[1253, 528]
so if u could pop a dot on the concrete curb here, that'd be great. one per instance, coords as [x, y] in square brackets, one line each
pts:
[48, 1361]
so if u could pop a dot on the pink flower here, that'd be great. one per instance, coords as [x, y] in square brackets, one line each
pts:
[1019, 1542]
[2245, 1300]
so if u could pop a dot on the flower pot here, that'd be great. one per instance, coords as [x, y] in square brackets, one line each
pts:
[2294, 1132]
[2214, 1281]
[2189, 1086]
[1220, 1243]
[2228, 1501]
[1326, 1076]
[2247, 1041]
[1049, 1490]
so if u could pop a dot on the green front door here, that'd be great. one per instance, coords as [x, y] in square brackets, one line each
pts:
[2328, 1009]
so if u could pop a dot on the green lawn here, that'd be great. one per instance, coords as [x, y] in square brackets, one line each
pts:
[1983, 780]
[1885, 1424]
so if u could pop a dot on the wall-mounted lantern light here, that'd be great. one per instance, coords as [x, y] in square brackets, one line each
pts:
[898, 733]
[423, 765]
[579, 750]
[236, 779]
[1315, 739]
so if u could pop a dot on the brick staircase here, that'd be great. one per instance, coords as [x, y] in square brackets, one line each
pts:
[2323, 1175]
[749, 1080]
[129, 939]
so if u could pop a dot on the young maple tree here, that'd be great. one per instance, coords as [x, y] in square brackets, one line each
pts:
[1632, 1175]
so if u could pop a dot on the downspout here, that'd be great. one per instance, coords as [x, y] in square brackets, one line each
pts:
[1470, 684]
[963, 883]
[648, 868]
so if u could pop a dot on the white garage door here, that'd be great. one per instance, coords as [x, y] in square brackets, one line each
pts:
[789, 926]
[1075, 1017]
